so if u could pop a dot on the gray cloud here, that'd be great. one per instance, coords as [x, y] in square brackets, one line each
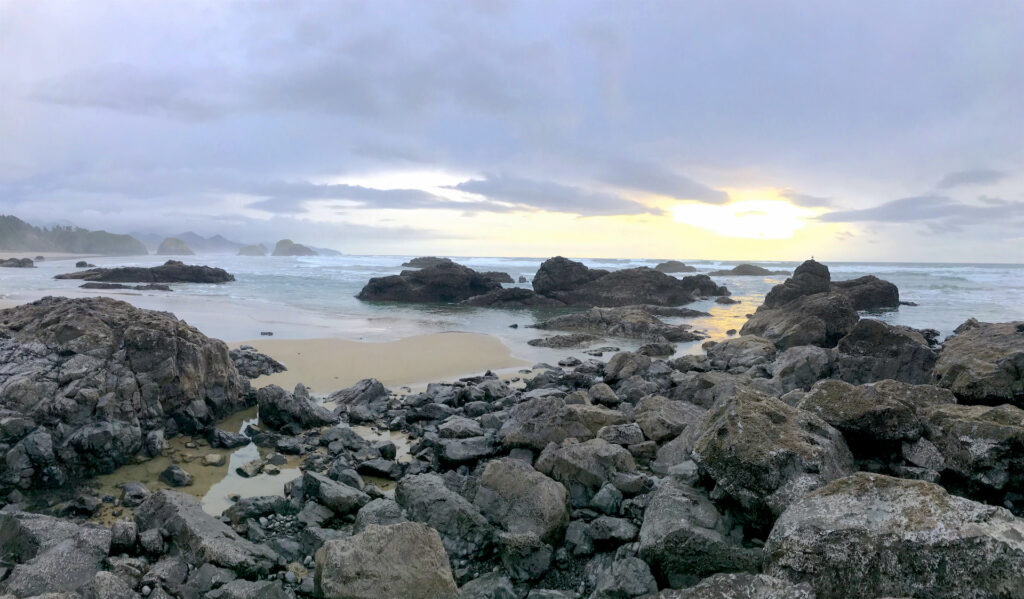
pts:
[981, 176]
[546, 195]
[806, 200]
[938, 211]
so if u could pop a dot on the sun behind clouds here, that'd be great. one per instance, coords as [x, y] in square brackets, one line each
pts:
[756, 214]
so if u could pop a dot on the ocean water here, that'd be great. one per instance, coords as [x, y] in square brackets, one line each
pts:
[309, 297]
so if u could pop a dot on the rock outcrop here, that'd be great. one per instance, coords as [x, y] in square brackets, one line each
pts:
[445, 282]
[171, 271]
[17, 263]
[868, 293]
[747, 270]
[631, 322]
[674, 266]
[426, 262]
[287, 247]
[984, 363]
[512, 297]
[172, 246]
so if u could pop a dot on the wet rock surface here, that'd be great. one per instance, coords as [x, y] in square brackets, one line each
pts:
[443, 282]
[172, 271]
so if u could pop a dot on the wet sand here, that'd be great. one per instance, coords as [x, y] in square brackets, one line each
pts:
[325, 365]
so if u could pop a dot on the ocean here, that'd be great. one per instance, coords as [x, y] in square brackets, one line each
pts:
[314, 297]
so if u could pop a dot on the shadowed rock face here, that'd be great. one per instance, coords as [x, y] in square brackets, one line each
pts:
[441, 283]
[868, 292]
[874, 350]
[171, 271]
[984, 363]
[514, 297]
[90, 379]
[809, 278]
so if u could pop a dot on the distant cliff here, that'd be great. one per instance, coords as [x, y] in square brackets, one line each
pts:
[18, 236]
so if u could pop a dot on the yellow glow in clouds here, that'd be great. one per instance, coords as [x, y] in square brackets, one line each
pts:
[754, 219]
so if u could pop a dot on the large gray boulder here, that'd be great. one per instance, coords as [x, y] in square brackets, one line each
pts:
[365, 401]
[50, 555]
[869, 535]
[84, 381]
[294, 411]
[536, 422]
[984, 363]
[741, 353]
[742, 586]
[517, 498]
[820, 319]
[584, 467]
[199, 537]
[661, 418]
[685, 538]
[464, 530]
[444, 282]
[868, 292]
[765, 454]
[402, 560]
[874, 350]
[801, 366]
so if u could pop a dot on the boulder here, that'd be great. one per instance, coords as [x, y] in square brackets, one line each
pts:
[809, 278]
[560, 274]
[512, 297]
[280, 409]
[820, 319]
[172, 246]
[49, 555]
[383, 512]
[673, 266]
[583, 468]
[873, 351]
[249, 589]
[869, 535]
[742, 586]
[365, 401]
[464, 530]
[402, 560]
[624, 578]
[572, 340]
[661, 418]
[498, 277]
[868, 293]
[251, 363]
[536, 422]
[741, 353]
[199, 537]
[685, 538]
[95, 378]
[339, 498]
[518, 499]
[287, 247]
[631, 322]
[801, 366]
[983, 363]
[764, 453]
[17, 263]
[441, 283]
[172, 271]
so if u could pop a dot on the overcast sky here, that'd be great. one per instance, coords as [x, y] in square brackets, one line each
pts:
[848, 130]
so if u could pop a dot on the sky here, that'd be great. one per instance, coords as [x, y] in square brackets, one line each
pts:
[767, 130]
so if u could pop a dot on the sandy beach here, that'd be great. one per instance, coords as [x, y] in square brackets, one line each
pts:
[325, 365]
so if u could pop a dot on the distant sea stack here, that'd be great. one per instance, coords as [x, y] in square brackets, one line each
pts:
[426, 262]
[287, 247]
[252, 250]
[172, 246]
[674, 266]
[171, 271]
[747, 270]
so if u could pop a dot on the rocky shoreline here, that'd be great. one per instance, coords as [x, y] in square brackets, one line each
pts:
[818, 454]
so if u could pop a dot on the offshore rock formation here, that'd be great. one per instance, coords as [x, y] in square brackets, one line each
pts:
[442, 282]
[172, 246]
[287, 247]
[747, 270]
[172, 271]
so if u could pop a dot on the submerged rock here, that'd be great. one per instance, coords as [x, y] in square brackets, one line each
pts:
[171, 271]
[869, 535]
[984, 363]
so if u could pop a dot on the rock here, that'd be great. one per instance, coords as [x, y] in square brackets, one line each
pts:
[427, 262]
[673, 266]
[685, 538]
[572, 340]
[622, 434]
[441, 283]
[657, 349]
[595, 418]
[809, 278]
[746, 270]
[133, 494]
[171, 271]
[248, 589]
[602, 394]
[764, 453]
[489, 586]
[820, 319]
[584, 467]
[123, 536]
[801, 366]
[366, 401]
[251, 468]
[83, 264]
[741, 352]
[874, 350]
[147, 287]
[459, 427]
[17, 263]
[518, 499]
[536, 422]
[560, 274]
[175, 476]
[339, 498]
[742, 586]
[464, 531]
[251, 363]
[512, 297]
[287, 247]
[98, 378]
[252, 250]
[498, 277]
[455, 452]
[222, 439]
[523, 555]
[49, 555]
[172, 246]
[199, 537]
[727, 301]
[280, 409]
[383, 512]
[630, 322]
[661, 418]
[402, 560]
[610, 531]
[624, 365]
[868, 293]
[256, 507]
[984, 363]
[626, 578]
[873, 535]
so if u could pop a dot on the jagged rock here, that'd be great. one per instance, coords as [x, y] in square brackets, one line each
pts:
[673, 266]
[661, 418]
[489, 586]
[50, 555]
[764, 453]
[984, 363]
[280, 409]
[498, 277]
[584, 467]
[517, 498]
[97, 377]
[868, 292]
[869, 535]
[172, 246]
[801, 366]
[249, 589]
[623, 365]
[172, 271]
[287, 247]
[254, 507]
[741, 352]
[383, 512]
[742, 586]
[402, 560]
[622, 434]
[820, 319]
[746, 270]
[809, 278]
[523, 555]
[339, 498]
[632, 322]
[222, 439]
[464, 531]
[874, 350]
[536, 422]
[199, 537]
[565, 341]
[512, 297]
[455, 452]
[251, 363]
[445, 282]
[685, 538]
[623, 579]
[366, 401]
